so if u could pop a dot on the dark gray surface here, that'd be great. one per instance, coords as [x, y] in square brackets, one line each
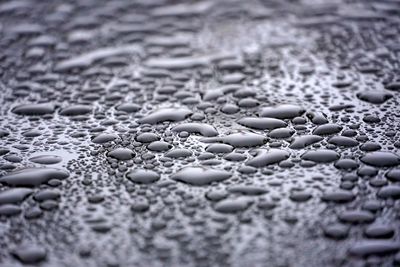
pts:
[199, 133]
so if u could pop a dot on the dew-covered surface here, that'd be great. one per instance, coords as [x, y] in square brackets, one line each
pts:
[200, 133]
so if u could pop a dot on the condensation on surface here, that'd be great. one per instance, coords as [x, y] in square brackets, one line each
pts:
[199, 133]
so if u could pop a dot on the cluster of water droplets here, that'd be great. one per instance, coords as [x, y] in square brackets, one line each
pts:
[212, 133]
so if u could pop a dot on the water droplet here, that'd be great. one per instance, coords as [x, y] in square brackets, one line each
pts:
[200, 175]
[142, 176]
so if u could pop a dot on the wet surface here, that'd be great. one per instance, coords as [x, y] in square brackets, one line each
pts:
[199, 133]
